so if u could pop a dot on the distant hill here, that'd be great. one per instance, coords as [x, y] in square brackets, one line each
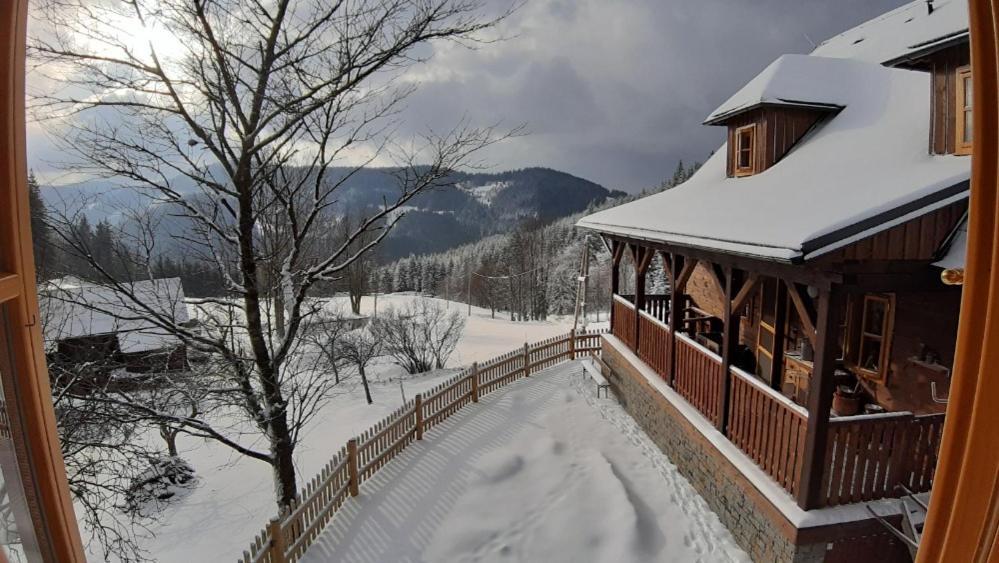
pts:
[475, 206]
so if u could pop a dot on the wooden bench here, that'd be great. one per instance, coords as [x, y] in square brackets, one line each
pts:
[591, 369]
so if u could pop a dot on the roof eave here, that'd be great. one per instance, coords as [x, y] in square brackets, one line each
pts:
[721, 118]
[927, 48]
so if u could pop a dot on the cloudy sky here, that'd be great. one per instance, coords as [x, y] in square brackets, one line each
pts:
[610, 90]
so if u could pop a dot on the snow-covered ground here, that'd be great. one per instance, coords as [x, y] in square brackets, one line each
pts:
[235, 495]
[538, 471]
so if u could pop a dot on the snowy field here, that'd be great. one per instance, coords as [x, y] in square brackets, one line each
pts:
[538, 471]
[235, 495]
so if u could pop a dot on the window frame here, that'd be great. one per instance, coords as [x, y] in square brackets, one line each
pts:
[884, 339]
[737, 170]
[962, 147]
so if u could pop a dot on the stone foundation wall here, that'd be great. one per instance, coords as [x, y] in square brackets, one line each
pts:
[702, 466]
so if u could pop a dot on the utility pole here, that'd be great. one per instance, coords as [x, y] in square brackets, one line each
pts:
[469, 269]
[584, 273]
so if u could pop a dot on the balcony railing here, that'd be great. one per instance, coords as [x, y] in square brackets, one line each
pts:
[867, 457]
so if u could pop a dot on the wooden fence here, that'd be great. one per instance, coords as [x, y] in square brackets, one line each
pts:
[287, 537]
[698, 377]
[867, 457]
[768, 428]
[653, 343]
[657, 307]
[623, 320]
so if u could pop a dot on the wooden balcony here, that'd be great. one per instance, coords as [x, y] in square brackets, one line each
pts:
[865, 457]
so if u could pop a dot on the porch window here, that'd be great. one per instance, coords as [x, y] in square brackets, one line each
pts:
[875, 336]
[745, 150]
[964, 123]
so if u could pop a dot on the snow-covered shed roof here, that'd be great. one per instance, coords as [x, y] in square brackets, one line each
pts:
[859, 172]
[791, 80]
[901, 34]
[73, 308]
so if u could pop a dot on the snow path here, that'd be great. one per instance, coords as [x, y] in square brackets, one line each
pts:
[539, 471]
[234, 496]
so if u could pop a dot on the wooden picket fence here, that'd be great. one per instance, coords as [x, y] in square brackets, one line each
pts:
[288, 536]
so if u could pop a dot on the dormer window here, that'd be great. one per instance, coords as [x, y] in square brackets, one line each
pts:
[745, 150]
[964, 123]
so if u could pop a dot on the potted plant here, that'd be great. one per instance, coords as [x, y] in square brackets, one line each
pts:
[846, 400]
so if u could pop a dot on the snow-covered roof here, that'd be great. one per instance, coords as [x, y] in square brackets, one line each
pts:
[957, 248]
[901, 33]
[791, 80]
[859, 172]
[73, 308]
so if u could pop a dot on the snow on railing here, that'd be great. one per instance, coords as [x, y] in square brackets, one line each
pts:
[287, 537]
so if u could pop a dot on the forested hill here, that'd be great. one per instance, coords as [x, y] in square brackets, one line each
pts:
[470, 207]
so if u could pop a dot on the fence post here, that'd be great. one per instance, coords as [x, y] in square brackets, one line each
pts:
[572, 344]
[527, 361]
[277, 547]
[352, 466]
[419, 416]
[475, 382]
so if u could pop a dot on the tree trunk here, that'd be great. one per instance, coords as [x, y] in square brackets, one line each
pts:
[364, 381]
[170, 437]
[284, 463]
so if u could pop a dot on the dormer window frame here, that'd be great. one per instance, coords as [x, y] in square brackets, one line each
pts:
[964, 134]
[748, 133]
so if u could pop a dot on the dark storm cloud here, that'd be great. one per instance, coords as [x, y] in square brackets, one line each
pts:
[615, 91]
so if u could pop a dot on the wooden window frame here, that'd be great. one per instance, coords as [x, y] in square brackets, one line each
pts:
[885, 339]
[737, 170]
[962, 147]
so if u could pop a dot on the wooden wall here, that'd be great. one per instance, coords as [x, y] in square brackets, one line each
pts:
[777, 130]
[943, 66]
[918, 239]
[921, 319]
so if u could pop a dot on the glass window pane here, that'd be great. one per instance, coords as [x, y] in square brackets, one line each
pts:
[967, 92]
[875, 311]
[17, 534]
[871, 350]
[967, 126]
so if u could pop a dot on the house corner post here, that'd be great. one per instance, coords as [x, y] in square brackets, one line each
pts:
[820, 394]
[675, 312]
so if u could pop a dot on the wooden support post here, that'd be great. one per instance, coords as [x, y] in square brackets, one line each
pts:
[527, 360]
[277, 544]
[617, 252]
[730, 342]
[780, 327]
[820, 394]
[675, 312]
[419, 416]
[352, 470]
[639, 254]
[475, 382]
[572, 344]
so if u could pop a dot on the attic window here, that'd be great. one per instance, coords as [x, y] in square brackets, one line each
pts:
[745, 150]
[964, 115]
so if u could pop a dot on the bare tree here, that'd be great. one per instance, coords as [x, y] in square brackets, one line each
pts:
[420, 336]
[360, 348]
[248, 105]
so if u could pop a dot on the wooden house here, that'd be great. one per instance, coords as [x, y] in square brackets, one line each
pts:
[798, 368]
[88, 324]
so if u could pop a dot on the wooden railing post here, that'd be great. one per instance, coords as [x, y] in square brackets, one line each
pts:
[527, 361]
[419, 416]
[675, 313]
[475, 382]
[820, 392]
[352, 471]
[730, 345]
[277, 547]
